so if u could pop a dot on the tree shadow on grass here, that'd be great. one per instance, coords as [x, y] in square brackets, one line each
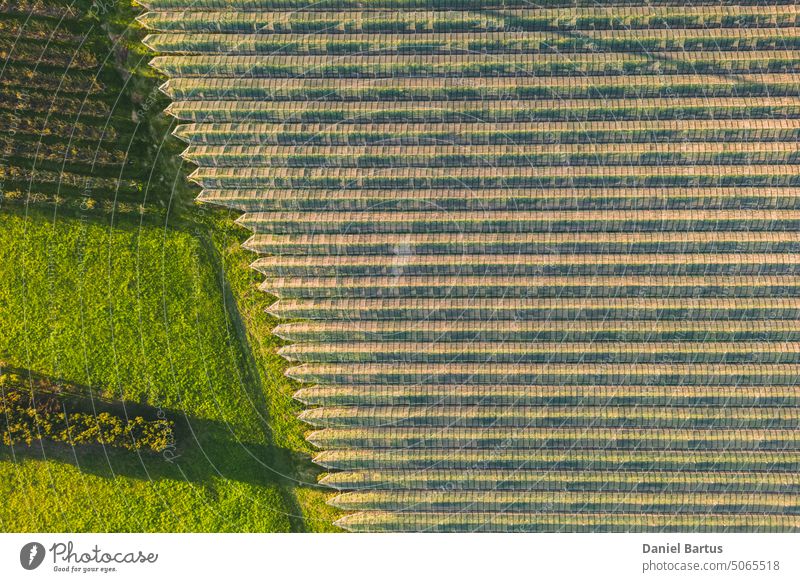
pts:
[200, 451]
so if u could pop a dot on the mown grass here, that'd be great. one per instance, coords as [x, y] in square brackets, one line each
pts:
[135, 313]
[287, 431]
[166, 318]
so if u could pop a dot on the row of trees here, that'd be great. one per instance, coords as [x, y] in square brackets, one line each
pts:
[31, 416]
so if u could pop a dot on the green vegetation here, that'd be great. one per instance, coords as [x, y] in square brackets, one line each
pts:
[69, 129]
[346, 22]
[46, 416]
[116, 286]
[136, 313]
[545, 257]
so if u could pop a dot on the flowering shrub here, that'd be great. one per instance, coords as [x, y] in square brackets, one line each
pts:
[25, 418]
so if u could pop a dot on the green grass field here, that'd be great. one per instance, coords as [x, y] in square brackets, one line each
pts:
[138, 313]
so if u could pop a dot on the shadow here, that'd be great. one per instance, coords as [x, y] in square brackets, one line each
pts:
[200, 450]
[290, 467]
[203, 451]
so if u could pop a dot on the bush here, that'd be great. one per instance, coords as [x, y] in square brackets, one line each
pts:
[25, 418]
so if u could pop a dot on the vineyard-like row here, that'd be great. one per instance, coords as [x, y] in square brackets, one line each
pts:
[555, 438]
[68, 128]
[576, 6]
[543, 395]
[481, 42]
[345, 22]
[499, 458]
[610, 521]
[519, 201]
[479, 65]
[511, 286]
[480, 480]
[546, 352]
